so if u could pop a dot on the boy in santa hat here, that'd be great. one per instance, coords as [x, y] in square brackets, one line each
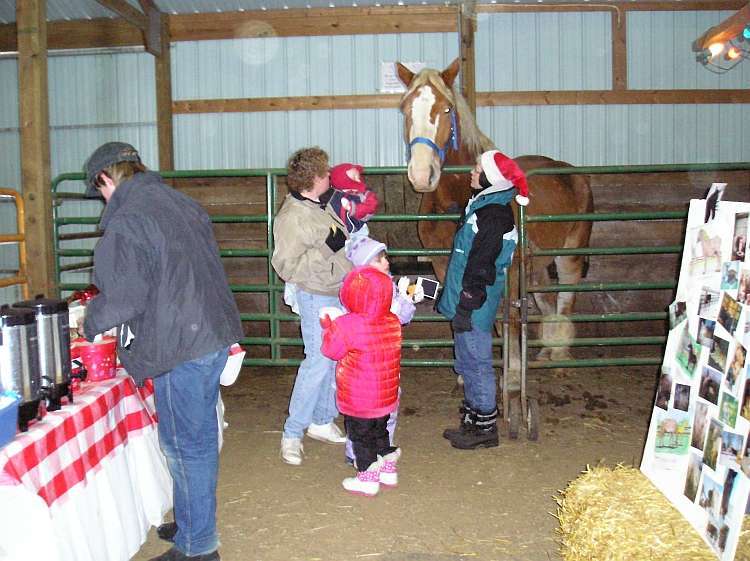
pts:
[474, 283]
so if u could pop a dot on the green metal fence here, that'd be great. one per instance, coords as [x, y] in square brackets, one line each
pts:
[275, 343]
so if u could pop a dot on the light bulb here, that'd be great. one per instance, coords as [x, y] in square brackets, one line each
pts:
[733, 53]
[716, 48]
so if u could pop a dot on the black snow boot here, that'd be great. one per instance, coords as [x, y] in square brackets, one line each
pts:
[483, 433]
[466, 420]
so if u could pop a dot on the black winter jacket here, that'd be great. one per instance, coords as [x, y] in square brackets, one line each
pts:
[158, 270]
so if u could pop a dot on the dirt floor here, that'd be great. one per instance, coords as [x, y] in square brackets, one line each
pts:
[450, 505]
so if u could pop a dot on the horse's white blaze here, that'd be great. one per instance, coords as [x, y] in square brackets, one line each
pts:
[424, 164]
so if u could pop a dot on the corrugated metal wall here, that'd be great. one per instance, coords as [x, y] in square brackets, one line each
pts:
[99, 97]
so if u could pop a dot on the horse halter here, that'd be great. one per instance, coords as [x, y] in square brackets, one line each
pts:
[452, 140]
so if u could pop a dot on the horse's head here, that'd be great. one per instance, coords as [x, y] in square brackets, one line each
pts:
[430, 122]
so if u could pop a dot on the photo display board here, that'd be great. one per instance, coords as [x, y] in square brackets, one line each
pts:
[698, 447]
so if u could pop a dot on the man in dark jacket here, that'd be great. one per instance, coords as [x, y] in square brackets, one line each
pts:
[163, 286]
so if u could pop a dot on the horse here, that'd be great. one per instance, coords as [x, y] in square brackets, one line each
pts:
[440, 129]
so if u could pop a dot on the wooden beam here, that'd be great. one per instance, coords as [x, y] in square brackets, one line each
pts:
[619, 51]
[610, 97]
[726, 30]
[303, 103]
[126, 12]
[466, 28]
[163, 70]
[484, 99]
[31, 18]
[313, 22]
[640, 6]
[155, 28]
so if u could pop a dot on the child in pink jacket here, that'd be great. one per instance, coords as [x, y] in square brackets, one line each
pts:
[366, 342]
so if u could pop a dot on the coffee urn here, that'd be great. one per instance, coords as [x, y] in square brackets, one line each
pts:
[19, 361]
[53, 331]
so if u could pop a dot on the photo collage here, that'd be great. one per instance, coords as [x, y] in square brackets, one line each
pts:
[698, 446]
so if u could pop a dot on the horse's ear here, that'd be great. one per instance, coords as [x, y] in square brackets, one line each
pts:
[449, 74]
[404, 74]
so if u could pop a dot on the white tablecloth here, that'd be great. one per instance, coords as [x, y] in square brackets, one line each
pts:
[87, 482]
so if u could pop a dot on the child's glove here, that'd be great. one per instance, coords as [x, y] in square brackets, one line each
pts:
[366, 207]
[403, 285]
[335, 239]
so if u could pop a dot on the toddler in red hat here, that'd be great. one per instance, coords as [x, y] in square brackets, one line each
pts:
[352, 200]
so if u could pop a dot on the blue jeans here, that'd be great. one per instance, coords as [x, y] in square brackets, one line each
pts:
[314, 395]
[188, 434]
[473, 351]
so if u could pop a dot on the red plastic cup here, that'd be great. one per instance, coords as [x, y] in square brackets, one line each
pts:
[100, 359]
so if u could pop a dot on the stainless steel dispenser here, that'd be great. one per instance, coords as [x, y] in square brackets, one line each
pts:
[19, 360]
[53, 331]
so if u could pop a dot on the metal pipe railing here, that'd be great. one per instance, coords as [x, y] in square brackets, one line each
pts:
[21, 277]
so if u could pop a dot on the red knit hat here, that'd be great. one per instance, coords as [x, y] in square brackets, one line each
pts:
[341, 181]
[503, 172]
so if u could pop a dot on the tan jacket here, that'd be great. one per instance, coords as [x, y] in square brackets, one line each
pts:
[301, 255]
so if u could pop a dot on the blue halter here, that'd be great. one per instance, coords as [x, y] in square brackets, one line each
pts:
[452, 140]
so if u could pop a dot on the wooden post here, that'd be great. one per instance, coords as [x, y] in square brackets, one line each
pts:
[619, 50]
[163, 69]
[468, 61]
[31, 24]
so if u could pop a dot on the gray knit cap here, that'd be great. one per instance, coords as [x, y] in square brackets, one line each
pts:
[107, 155]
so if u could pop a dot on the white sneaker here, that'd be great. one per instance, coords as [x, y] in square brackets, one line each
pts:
[291, 450]
[329, 433]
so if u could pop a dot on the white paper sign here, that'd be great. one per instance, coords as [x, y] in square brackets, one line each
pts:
[389, 80]
[697, 451]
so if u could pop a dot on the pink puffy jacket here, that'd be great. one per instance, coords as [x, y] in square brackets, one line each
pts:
[366, 342]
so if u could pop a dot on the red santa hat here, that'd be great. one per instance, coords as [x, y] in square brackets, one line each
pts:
[503, 172]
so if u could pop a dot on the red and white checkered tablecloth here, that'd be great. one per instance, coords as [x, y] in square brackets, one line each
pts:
[67, 446]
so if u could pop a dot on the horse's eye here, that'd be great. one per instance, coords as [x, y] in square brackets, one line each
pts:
[447, 110]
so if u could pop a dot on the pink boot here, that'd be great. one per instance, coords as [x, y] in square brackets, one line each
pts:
[366, 483]
[388, 472]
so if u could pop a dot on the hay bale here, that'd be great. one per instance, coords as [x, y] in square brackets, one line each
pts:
[618, 514]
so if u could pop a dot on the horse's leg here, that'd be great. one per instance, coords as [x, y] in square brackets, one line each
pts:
[570, 271]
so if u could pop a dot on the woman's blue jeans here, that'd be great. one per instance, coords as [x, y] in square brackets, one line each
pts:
[473, 351]
[188, 434]
[314, 395]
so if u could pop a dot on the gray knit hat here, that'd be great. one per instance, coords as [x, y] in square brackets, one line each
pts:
[107, 155]
[360, 251]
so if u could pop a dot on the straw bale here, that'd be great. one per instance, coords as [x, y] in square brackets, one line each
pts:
[617, 514]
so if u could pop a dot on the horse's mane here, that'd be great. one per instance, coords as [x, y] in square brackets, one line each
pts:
[471, 137]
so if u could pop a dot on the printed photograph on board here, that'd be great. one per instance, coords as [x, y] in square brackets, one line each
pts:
[713, 444]
[743, 292]
[734, 370]
[728, 409]
[700, 424]
[705, 251]
[677, 313]
[693, 477]
[731, 449]
[673, 433]
[730, 275]
[706, 332]
[717, 358]
[710, 384]
[745, 409]
[729, 314]
[687, 353]
[663, 390]
[708, 305]
[681, 397]
[739, 240]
